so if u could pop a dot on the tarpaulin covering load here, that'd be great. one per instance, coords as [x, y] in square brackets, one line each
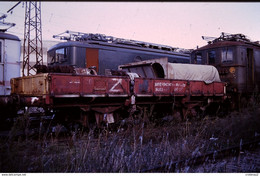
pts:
[194, 72]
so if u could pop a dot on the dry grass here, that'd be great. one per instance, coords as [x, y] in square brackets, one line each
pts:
[139, 148]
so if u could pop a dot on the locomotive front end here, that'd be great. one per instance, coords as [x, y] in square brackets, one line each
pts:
[237, 60]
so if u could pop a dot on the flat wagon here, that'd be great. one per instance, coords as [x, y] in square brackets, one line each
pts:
[83, 96]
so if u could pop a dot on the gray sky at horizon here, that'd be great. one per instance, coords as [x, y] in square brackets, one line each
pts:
[177, 24]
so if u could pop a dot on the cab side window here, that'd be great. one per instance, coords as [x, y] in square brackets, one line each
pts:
[197, 58]
[212, 57]
[227, 55]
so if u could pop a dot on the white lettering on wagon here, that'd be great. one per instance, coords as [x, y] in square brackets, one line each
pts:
[113, 88]
[74, 82]
[158, 89]
[163, 86]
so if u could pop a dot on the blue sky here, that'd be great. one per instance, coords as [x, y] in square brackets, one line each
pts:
[177, 24]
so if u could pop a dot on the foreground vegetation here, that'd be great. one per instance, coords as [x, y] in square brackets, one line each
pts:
[142, 146]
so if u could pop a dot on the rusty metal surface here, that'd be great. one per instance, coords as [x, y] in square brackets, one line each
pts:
[219, 89]
[159, 87]
[66, 90]
[79, 85]
[36, 85]
[170, 87]
[198, 88]
[70, 85]
[154, 68]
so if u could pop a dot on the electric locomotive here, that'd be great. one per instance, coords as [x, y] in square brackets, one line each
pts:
[84, 50]
[238, 61]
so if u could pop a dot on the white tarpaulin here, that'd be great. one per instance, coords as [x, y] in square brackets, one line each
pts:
[206, 73]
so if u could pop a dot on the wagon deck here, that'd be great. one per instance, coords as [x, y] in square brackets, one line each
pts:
[52, 89]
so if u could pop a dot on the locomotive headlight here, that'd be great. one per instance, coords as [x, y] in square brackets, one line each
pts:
[232, 70]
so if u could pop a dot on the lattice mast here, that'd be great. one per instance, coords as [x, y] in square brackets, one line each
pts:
[32, 50]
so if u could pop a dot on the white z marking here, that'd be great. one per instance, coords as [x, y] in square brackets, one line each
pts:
[119, 81]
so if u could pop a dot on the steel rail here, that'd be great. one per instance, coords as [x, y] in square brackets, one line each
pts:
[195, 161]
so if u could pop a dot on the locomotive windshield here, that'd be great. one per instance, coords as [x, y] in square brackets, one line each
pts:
[61, 55]
[58, 56]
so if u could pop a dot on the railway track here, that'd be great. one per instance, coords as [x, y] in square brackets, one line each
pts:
[213, 156]
[156, 146]
[248, 162]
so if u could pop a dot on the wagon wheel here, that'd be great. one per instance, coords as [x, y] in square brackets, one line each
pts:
[84, 119]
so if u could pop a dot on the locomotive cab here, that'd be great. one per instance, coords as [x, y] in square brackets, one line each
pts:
[68, 54]
[237, 60]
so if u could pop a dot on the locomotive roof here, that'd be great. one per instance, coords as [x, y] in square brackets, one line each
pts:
[100, 40]
[229, 43]
[4, 35]
[100, 44]
[230, 40]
